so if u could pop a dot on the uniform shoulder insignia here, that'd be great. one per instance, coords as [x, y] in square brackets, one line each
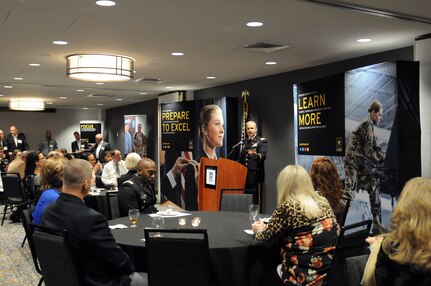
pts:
[128, 183]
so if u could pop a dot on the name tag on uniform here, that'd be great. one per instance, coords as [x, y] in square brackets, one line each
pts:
[19, 141]
[51, 146]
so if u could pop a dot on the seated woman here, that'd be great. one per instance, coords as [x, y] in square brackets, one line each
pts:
[326, 182]
[404, 258]
[305, 226]
[131, 163]
[33, 166]
[51, 182]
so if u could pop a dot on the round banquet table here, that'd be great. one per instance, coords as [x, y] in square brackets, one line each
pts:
[234, 258]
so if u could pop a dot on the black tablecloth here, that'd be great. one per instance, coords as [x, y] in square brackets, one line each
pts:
[235, 260]
[98, 202]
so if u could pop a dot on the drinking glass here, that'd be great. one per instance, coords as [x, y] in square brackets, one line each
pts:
[158, 222]
[253, 211]
[134, 217]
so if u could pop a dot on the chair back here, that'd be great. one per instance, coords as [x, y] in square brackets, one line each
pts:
[12, 188]
[26, 221]
[113, 210]
[347, 245]
[55, 256]
[177, 257]
[343, 217]
[235, 200]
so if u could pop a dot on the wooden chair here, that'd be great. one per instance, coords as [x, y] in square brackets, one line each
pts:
[235, 200]
[178, 257]
[55, 256]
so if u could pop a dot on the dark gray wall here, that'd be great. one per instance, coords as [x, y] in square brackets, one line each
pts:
[270, 104]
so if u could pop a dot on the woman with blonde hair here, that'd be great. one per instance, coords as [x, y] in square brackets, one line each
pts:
[405, 254]
[51, 181]
[305, 226]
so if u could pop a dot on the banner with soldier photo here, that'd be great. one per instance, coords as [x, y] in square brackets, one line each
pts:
[382, 136]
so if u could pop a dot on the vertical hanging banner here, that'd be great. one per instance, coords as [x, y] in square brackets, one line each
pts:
[320, 116]
[89, 129]
[178, 126]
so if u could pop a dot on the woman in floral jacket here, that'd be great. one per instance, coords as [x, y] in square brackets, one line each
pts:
[305, 226]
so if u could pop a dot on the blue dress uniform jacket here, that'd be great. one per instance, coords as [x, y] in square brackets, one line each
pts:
[136, 194]
[255, 164]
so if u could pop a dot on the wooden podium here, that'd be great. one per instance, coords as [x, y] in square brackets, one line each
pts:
[215, 175]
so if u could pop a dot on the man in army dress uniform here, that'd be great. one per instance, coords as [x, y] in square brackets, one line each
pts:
[138, 192]
[361, 150]
[253, 155]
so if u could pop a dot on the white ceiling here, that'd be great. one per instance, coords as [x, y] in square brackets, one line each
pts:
[209, 32]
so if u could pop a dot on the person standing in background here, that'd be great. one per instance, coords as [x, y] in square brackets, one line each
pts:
[140, 142]
[15, 140]
[253, 155]
[99, 148]
[48, 144]
[79, 145]
[128, 146]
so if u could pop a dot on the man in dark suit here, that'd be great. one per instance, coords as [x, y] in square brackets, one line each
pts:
[3, 143]
[100, 260]
[79, 146]
[15, 140]
[99, 148]
[253, 155]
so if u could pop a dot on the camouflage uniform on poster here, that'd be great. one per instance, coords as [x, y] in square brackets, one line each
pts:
[362, 152]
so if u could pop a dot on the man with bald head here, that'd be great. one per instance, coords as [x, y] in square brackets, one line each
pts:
[138, 192]
[253, 155]
[99, 259]
[15, 140]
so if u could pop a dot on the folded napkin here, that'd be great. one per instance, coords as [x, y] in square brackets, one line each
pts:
[117, 226]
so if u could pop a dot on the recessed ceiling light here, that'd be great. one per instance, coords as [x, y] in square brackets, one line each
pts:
[80, 90]
[63, 97]
[61, 43]
[177, 54]
[18, 78]
[211, 77]
[8, 86]
[142, 93]
[271, 63]
[119, 99]
[100, 104]
[363, 40]
[49, 102]
[100, 83]
[34, 65]
[1, 95]
[85, 108]
[169, 87]
[105, 3]
[254, 24]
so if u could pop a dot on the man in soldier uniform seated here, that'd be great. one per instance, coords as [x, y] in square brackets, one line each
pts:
[253, 155]
[138, 192]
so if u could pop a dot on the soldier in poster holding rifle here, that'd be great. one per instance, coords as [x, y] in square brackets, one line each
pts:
[364, 161]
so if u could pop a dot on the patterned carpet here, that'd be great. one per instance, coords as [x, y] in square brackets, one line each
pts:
[16, 263]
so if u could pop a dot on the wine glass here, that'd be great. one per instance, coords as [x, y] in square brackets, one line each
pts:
[158, 222]
[134, 217]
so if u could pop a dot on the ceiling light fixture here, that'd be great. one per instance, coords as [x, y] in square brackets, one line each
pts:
[18, 78]
[27, 104]
[211, 77]
[106, 3]
[99, 67]
[271, 63]
[363, 40]
[177, 54]
[34, 65]
[8, 86]
[254, 24]
[61, 43]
